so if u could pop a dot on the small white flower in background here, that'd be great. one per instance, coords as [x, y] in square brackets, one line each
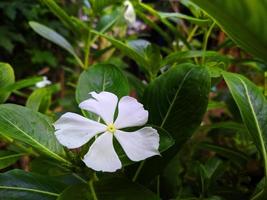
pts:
[43, 83]
[129, 14]
[73, 131]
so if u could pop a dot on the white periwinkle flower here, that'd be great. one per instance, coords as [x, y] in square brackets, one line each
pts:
[73, 131]
[43, 83]
[129, 14]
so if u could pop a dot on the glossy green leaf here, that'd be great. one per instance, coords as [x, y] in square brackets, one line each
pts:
[48, 167]
[7, 78]
[253, 109]
[109, 189]
[101, 77]
[77, 192]
[39, 100]
[107, 21]
[32, 128]
[54, 37]
[139, 46]
[171, 100]
[183, 56]
[243, 20]
[8, 158]
[252, 106]
[150, 53]
[18, 184]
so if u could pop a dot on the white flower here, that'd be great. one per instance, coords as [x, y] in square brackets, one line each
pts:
[43, 83]
[73, 131]
[129, 14]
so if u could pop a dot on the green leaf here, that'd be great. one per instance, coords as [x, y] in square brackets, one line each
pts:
[232, 16]
[139, 46]
[183, 56]
[99, 5]
[137, 87]
[7, 78]
[234, 155]
[253, 109]
[40, 99]
[22, 84]
[154, 58]
[150, 23]
[109, 189]
[48, 167]
[8, 158]
[128, 50]
[252, 106]
[234, 126]
[175, 15]
[177, 100]
[101, 77]
[54, 37]
[107, 21]
[32, 128]
[18, 184]
[260, 192]
[77, 192]
[150, 53]
[60, 13]
[209, 173]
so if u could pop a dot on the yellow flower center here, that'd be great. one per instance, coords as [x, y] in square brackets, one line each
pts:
[111, 128]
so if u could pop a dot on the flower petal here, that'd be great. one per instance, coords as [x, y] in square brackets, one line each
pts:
[103, 104]
[129, 14]
[102, 156]
[139, 145]
[73, 130]
[131, 113]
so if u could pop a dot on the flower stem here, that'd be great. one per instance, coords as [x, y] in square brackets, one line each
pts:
[92, 189]
[192, 33]
[158, 186]
[87, 50]
[205, 43]
[79, 178]
[138, 171]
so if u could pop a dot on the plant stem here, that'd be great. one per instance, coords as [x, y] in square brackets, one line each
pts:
[79, 61]
[30, 152]
[79, 178]
[91, 185]
[190, 37]
[138, 171]
[158, 186]
[205, 43]
[192, 33]
[87, 50]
